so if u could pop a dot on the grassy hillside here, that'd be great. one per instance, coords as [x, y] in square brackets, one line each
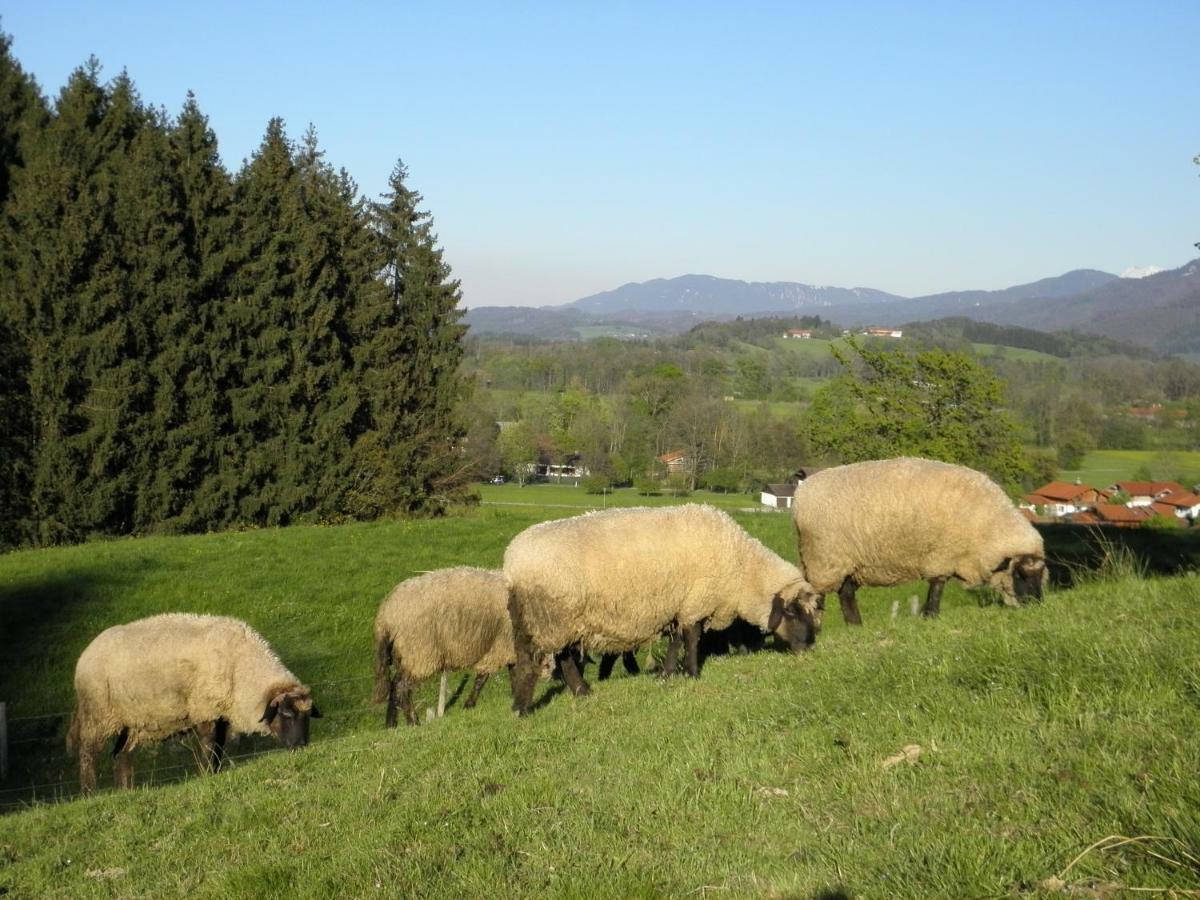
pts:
[1041, 731]
[572, 499]
[1103, 467]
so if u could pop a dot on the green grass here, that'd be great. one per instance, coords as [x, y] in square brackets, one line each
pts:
[1103, 467]
[572, 499]
[1042, 730]
[1023, 354]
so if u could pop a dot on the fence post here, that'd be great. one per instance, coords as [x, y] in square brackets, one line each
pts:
[3, 741]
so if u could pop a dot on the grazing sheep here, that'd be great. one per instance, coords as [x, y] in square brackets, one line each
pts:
[895, 520]
[611, 581]
[437, 622]
[175, 673]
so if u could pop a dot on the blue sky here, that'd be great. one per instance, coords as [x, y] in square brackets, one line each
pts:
[566, 148]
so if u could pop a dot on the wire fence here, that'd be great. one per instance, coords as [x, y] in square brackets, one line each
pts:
[25, 795]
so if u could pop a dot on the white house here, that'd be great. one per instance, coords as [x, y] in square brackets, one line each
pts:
[777, 496]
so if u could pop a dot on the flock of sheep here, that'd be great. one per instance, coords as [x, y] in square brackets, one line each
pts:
[605, 582]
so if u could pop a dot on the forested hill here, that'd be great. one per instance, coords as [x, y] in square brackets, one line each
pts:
[1160, 312]
[1063, 344]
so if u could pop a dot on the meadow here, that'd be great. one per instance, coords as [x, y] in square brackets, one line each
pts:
[990, 752]
[1104, 467]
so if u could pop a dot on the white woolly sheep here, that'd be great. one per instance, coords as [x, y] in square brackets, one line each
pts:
[437, 622]
[177, 672]
[890, 521]
[611, 581]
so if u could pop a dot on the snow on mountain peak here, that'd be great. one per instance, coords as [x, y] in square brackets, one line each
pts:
[1141, 271]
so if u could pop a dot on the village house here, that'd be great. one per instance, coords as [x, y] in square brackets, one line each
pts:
[1082, 504]
[1059, 498]
[677, 462]
[883, 332]
[800, 333]
[1185, 505]
[777, 496]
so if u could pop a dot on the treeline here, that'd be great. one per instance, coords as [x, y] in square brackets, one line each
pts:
[185, 349]
[957, 330]
[617, 405]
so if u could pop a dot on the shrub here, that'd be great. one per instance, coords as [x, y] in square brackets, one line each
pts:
[648, 487]
[596, 484]
[678, 486]
[723, 481]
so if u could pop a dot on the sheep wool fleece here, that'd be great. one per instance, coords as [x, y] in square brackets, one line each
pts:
[613, 580]
[890, 521]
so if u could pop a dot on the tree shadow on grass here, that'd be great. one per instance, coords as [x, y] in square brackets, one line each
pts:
[46, 621]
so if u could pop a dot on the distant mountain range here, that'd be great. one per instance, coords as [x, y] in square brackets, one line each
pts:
[1160, 310]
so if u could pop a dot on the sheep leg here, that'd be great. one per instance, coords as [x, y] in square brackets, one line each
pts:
[846, 594]
[523, 674]
[480, 680]
[673, 646]
[629, 661]
[405, 700]
[390, 719]
[123, 771]
[122, 762]
[212, 745]
[691, 635]
[400, 698]
[442, 692]
[88, 751]
[933, 601]
[570, 672]
[607, 661]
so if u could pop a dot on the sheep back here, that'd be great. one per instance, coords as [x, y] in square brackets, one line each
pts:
[448, 619]
[890, 521]
[168, 673]
[613, 580]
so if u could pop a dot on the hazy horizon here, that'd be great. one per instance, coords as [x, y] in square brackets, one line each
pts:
[566, 151]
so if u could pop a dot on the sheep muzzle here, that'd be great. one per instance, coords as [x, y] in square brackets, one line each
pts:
[287, 716]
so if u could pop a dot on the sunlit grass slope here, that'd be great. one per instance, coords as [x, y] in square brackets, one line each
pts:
[1041, 731]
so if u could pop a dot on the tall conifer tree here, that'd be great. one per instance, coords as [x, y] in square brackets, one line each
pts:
[202, 340]
[65, 284]
[23, 115]
[297, 284]
[408, 460]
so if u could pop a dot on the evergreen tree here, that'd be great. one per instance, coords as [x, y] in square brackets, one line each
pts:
[409, 459]
[151, 220]
[195, 364]
[258, 316]
[68, 291]
[303, 265]
[23, 115]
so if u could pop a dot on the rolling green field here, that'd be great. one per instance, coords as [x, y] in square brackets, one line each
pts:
[1039, 733]
[1022, 353]
[1103, 467]
[571, 499]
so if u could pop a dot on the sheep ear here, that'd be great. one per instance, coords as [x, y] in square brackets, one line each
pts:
[776, 613]
[270, 712]
[1003, 564]
[316, 713]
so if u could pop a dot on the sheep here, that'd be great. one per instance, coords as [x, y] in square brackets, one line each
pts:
[890, 521]
[174, 673]
[436, 622]
[610, 581]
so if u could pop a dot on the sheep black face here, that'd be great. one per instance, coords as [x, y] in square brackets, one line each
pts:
[797, 621]
[287, 717]
[1029, 572]
[1020, 578]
